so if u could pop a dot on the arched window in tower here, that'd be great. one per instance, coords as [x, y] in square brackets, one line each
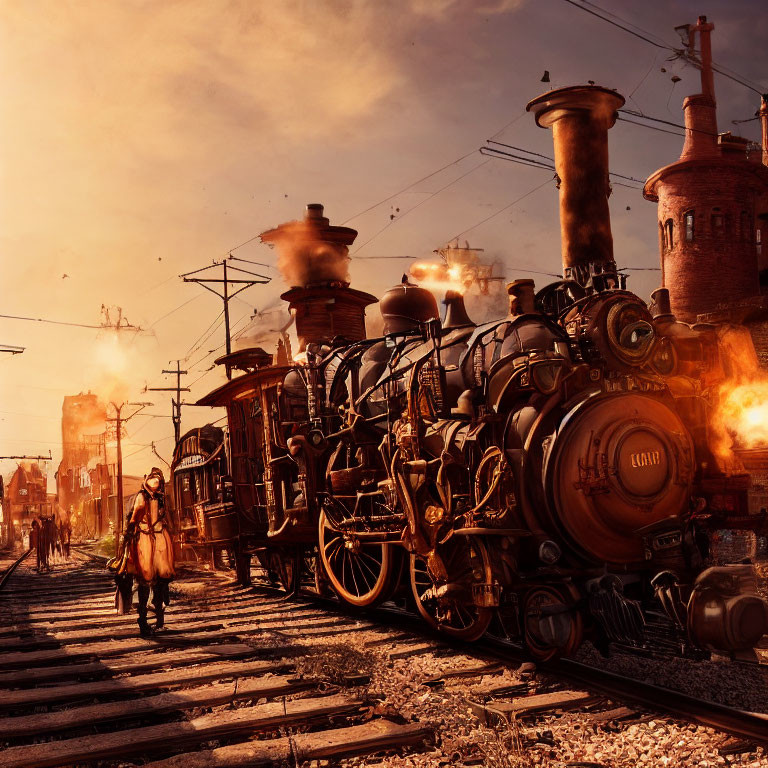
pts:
[717, 222]
[688, 218]
[669, 234]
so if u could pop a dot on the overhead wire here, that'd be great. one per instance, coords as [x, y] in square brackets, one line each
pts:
[168, 314]
[50, 322]
[501, 210]
[395, 194]
[202, 338]
[409, 186]
[419, 204]
[645, 35]
[549, 166]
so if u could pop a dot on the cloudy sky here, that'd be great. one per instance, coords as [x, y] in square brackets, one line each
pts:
[140, 140]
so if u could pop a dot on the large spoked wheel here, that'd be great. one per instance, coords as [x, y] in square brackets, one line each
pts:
[443, 587]
[284, 567]
[361, 573]
[552, 624]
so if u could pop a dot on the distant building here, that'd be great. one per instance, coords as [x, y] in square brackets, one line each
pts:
[713, 214]
[26, 497]
[83, 479]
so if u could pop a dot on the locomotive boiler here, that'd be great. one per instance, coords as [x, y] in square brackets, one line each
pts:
[552, 472]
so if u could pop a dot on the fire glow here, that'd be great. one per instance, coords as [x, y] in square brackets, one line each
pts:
[743, 410]
[439, 277]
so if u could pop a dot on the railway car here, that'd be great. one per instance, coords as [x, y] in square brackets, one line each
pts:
[554, 471]
[203, 509]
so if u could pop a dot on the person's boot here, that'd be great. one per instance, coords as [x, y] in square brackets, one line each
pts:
[157, 603]
[144, 629]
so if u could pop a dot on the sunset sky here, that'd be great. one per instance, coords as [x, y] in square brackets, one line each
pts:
[140, 140]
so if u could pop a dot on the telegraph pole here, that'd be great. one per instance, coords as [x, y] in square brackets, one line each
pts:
[225, 295]
[178, 389]
[119, 421]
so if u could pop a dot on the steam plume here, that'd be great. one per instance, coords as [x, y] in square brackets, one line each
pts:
[304, 259]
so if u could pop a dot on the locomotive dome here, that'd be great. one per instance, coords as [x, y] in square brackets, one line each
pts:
[406, 305]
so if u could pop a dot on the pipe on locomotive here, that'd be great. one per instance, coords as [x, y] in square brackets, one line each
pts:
[580, 117]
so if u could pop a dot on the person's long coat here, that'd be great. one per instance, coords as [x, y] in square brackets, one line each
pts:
[150, 547]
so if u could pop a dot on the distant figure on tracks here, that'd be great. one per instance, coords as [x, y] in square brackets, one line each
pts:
[149, 549]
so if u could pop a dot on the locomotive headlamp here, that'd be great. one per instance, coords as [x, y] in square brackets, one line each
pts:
[315, 437]
[630, 332]
[549, 552]
[636, 335]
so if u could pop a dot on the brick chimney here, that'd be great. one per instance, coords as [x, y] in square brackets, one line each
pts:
[712, 205]
[700, 109]
[580, 117]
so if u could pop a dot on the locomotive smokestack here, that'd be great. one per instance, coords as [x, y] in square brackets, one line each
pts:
[456, 312]
[313, 257]
[580, 117]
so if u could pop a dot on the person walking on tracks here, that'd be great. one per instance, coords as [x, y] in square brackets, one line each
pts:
[34, 540]
[149, 549]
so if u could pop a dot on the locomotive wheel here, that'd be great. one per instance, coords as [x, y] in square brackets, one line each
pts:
[552, 626]
[443, 590]
[361, 573]
[284, 566]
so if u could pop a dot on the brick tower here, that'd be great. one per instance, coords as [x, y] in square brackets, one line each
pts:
[713, 213]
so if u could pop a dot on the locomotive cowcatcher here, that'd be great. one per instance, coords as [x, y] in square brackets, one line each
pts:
[554, 471]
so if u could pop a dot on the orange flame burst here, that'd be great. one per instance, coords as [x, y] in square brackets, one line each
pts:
[743, 411]
[439, 277]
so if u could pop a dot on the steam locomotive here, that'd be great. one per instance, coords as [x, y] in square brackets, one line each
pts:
[553, 471]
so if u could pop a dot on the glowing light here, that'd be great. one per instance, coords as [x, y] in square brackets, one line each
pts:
[438, 277]
[743, 409]
[116, 364]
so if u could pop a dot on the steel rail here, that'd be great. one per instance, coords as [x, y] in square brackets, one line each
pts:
[752, 726]
[11, 568]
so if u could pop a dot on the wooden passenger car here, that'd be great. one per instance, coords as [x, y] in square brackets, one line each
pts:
[269, 510]
[199, 480]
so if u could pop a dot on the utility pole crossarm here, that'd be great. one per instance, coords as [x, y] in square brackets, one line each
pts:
[175, 402]
[226, 295]
[38, 458]
[11, 349]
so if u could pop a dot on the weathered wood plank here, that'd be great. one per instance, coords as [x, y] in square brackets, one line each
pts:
[128, 685]
[132, 663]
[368, 738]
[54, 639]
[111, 648]
[208, 695]
[176, 736]
[66, 620]
[557, 701]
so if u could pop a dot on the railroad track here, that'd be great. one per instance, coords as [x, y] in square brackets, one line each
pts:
[8, 565]
[81, 679]
[242, 678]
